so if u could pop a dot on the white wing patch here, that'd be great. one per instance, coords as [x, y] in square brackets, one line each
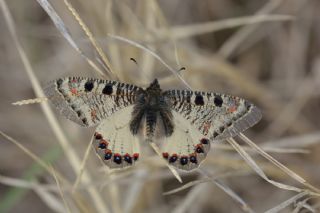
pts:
[114, 142]
[186, 148]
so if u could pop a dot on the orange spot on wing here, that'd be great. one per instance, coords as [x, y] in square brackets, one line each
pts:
[232, 109]
[206, 127]
[93, 114]
[74, 91]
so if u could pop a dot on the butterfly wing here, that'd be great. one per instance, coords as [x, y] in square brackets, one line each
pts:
[216, 116]
[88, 101]
[186, 147]
[115, 143]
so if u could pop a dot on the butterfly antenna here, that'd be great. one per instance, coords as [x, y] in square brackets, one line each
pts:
[134, 61]
[181, 69]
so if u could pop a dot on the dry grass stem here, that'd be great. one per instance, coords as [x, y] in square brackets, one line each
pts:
[31, 101]
[172, 169]
[286, 203]
[258, 170]
[50, 200]
[185, 31]
[230, 46]
[66, 34]
[32, 155]
[70, 154]
[278, 164]
[91, 38]
[82, 167]
[245, 207]
[60, 190]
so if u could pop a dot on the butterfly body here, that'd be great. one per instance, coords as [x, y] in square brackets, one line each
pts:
[150, 106]
[181, 122]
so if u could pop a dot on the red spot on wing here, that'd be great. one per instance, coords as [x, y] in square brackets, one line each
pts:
[97, 136]
[165, 155]
[135, 156]
[104, 142]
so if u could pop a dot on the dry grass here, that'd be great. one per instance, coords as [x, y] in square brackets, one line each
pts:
[226, 46]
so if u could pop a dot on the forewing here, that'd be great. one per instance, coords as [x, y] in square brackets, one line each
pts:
[216, 116]
[115, 143]
[186, 147]
[88, 101]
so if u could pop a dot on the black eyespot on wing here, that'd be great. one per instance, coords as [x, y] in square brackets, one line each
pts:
[98, 136]
[102, 146]
[88, 86]
[107, 90]
[173, 159]
[128, 159]
[218, 101]
[193, 159]
[204, 141]
[117, 159]
[199, 150]
[184, 160]
[199, 100]
[108, 156]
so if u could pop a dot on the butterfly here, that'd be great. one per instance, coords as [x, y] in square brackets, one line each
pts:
[181, 122]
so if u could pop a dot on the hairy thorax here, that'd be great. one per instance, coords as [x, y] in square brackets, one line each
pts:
[152, 113]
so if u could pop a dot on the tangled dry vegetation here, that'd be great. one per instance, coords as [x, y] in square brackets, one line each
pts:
[265, 51]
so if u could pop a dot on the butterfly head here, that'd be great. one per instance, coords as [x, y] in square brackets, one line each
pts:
[152, 94]
[154, 86]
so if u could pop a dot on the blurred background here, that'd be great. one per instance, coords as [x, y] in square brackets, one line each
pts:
[264, 51]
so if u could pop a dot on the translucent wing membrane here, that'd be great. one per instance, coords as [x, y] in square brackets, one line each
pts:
[186, 148]
[216, 116]
[114, 142]
[89, 101]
